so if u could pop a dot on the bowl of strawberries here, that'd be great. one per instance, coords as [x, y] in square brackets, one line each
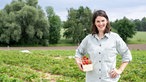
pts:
[86, 64]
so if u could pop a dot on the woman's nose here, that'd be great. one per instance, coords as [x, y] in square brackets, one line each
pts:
[100, 23]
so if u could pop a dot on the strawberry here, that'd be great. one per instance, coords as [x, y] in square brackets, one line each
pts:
[85, 60]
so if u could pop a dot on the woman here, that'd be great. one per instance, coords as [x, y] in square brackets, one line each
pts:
[102, 46]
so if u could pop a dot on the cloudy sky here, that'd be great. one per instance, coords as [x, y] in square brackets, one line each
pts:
[116, 9]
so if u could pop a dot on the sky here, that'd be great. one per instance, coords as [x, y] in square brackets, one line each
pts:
[115, 9]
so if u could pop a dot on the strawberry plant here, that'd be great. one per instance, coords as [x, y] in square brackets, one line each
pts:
[35, 66]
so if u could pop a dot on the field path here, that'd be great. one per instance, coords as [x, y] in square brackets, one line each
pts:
[131, 47]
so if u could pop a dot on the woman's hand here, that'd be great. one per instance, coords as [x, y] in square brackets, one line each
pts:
[79, 63]
[114, 73]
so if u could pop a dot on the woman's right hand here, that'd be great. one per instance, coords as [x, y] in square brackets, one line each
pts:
[79, 63]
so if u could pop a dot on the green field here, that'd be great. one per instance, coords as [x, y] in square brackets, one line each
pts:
[138, 38]
[59, 66]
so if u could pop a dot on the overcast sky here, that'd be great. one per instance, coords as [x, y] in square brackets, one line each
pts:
[116, 9]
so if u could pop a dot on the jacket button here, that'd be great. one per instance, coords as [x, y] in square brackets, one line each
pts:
[99, 69]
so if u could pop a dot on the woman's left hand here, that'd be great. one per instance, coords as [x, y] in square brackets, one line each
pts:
[114, 73]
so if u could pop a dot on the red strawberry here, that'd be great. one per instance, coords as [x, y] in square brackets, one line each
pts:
[85, 60]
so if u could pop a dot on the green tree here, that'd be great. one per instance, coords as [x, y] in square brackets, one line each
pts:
[33, 3]
[14, 6]
[78, 23]
[24, 22]
[55, 25]
[125, 28]
[138, 25]
[42, 29]
[143, 22]
[113, 27]
[10, 29]
[27, 18]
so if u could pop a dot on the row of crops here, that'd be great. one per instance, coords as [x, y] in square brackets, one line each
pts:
[58, 66]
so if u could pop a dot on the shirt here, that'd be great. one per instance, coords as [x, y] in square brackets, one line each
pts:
[102, 52]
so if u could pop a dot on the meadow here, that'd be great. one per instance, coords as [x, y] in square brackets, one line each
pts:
[58, 66]
[138, 38]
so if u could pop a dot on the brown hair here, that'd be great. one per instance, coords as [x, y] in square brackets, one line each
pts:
[95, 15]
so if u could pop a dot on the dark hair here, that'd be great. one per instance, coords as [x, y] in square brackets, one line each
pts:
[95, 15]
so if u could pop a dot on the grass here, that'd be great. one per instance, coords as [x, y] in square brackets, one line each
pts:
[136, 70]
[26, 67]
[138, 38]
[58, 65]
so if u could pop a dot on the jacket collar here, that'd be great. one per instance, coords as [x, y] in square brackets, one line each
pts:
[106, 35]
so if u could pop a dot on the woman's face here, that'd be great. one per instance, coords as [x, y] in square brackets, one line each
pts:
[100, 23]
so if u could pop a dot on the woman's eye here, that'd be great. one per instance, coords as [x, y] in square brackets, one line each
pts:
[98, 21]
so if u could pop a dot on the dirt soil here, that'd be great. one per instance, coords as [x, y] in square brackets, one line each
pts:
[131, 47]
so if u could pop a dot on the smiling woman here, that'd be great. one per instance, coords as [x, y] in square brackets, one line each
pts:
[102, 47]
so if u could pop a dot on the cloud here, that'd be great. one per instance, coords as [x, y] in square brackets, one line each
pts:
[135, 12]
[116, 9]
[3, 3]
[63, 15]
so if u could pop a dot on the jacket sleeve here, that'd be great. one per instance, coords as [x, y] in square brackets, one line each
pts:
[81, 50]
[123, 50]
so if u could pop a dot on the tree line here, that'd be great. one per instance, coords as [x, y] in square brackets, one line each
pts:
[23, 22]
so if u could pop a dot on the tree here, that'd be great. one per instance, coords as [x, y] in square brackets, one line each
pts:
[24, 22]
[138, 25]
[78, 24]
[55, 25]
[33, 3]
[42, 29]
[143, 22]
[35, 28]
[27, 18]
[14, 6]
[125, 28]
[10, 29]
